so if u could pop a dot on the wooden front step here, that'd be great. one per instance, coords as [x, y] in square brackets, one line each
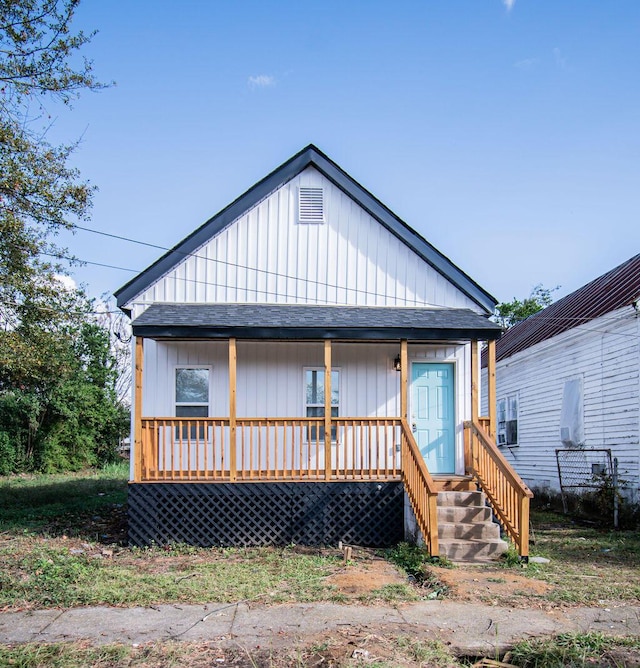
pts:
[454, 483]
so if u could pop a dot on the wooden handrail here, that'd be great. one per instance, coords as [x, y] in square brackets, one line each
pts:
[267, 449]
[420, 489]
[507, 493]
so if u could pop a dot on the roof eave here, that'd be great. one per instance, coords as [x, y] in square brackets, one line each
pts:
[314, 333]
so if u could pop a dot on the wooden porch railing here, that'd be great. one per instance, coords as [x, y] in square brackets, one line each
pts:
[505, 490]
[290, 449]
[269, 449]
[485, 423]
[420, 489]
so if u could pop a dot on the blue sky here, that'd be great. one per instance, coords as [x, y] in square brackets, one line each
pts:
[506, 132]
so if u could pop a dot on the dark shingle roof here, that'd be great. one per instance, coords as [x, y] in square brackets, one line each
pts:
[287, 171]
[300, 321]
[613, 290]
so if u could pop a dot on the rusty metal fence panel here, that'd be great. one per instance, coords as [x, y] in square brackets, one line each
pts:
[583, 469]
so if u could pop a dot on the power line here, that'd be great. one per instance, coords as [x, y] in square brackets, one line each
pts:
[51, 309]
[236, 265]
[539, 315]
[97, 264]
[269, 272]
[253, 289]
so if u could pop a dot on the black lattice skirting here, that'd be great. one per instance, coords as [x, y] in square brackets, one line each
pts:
[253, 514]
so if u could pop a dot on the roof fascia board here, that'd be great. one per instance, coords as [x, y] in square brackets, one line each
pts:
[313, 333]
[310, 155]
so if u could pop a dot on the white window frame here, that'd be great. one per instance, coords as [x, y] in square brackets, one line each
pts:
[305, 405]
[176, 403]
[502, 430]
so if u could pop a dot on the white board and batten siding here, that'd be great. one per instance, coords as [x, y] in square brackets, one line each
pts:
[271, 380]
[604, 354]
[270, 375]
[268, 256]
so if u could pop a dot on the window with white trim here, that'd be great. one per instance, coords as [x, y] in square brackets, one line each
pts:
[314, 396]
[192, 396]
[508, 420]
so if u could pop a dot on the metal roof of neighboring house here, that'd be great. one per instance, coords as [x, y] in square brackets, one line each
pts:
[611, 291]
[287, 171]
[302, 321]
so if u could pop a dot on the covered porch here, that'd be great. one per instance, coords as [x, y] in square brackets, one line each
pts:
[383, 445]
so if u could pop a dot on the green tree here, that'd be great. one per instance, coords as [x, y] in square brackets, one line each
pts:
[57, 399]
[40, 193]
[510, 313]
[68, 417]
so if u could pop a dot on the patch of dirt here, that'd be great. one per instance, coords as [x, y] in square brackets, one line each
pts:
[365, 576]
[491, 584]
[108, 527]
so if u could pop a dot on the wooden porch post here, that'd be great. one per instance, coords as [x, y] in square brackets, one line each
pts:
[327, 409]
[491, 387]
[404, 374]
[137, 411]
[232, 411]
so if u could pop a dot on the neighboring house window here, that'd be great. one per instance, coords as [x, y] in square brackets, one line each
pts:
[572, 414]
[192, 397]
[314, 397]
[310, 205]
[508, 420]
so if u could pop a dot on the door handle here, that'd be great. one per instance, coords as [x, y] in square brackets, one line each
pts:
[414, 427]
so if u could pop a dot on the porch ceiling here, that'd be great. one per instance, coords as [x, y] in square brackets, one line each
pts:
[311, 322]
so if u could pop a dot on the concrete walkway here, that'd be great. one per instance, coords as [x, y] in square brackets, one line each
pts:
[468, 627]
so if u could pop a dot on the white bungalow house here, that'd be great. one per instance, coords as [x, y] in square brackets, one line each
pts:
[568, 379]
[301, 360]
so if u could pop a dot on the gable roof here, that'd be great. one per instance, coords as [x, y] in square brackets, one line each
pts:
[609, 292]
[304, 321]
[309, 156]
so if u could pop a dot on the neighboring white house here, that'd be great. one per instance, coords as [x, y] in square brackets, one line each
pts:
[303, 335]
[569, 377]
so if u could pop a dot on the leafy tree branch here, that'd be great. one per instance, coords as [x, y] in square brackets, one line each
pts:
[510, 313]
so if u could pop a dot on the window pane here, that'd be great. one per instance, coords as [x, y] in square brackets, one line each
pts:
[335, 388]
[192, 385]
[513, 408]
[192, 411]
[315, 386]
[315, 411]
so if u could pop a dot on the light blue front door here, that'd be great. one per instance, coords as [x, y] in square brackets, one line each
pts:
[432, 414]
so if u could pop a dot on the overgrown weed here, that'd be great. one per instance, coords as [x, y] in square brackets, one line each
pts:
[416, 561]
[575, 649]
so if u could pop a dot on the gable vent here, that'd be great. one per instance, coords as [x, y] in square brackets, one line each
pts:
[310, 205]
